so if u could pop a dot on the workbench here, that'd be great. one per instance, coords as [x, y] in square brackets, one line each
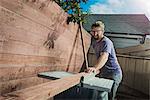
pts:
[89, 82]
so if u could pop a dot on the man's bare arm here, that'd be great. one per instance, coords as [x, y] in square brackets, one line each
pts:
[102, 60]
[100, 63]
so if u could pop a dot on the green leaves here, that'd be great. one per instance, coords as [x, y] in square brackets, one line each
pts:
[76, 15]
[72, 7]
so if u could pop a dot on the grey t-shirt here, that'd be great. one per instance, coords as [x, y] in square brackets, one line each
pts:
[106, 45]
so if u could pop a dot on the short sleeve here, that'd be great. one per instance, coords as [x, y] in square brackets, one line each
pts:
[106, 46]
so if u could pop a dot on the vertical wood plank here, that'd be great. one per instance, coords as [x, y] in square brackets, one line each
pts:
[145, 77]
[131, 71]
[126, 69]
[138, 74]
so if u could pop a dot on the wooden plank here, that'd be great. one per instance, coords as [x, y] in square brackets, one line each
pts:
[91, 59]
[121, 61]
[26, 47]
[125, 64]
[124, 36]
[28, 44]
[91, 56]
[14, 34]
[29, 60]
[46, 10]
[49, 89]
[13, 73]
[46, 17]
[57, 15]
[17, 66]
[145, 77]
[135, 57]
[138, 74]
[138, 48]
[22, 33]
[131, 72]
[17, 84]
[20, 22]
[94, 60]
[19, 7]
[145, 53]
[29, 27]
[125, 71]
[10, 34]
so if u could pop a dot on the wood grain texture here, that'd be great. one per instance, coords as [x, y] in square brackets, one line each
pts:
[13, 85]
[24, 27]
[19, 59]
[19, 7]
[138, 75]
[135, 73]
[13, 73]
[131, 72]
[27, 45]
[146, 79]
[145, 53]
[134, 49]
[48, 89]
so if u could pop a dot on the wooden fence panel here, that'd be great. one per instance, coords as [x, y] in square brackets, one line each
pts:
[136, 73]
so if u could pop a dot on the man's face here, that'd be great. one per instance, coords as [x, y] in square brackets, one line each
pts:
[97, 32]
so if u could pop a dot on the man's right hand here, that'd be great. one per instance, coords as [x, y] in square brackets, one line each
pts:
[91, 70]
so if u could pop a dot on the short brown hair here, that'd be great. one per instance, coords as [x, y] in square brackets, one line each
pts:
[98, 24]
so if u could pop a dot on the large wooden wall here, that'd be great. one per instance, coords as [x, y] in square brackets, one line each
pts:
[24, 27]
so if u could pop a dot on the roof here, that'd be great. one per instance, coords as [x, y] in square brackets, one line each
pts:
[124, 30]
[121, 23]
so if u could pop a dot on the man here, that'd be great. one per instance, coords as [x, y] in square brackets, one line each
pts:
[107, 62]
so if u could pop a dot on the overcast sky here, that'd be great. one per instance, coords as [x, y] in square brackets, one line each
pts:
[119, 7]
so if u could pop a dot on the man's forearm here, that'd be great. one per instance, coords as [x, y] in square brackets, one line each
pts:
[101, 61]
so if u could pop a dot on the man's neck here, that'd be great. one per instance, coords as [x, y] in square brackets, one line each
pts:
[100, 39]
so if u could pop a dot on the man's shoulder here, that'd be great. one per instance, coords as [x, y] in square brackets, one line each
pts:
[107, 40]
